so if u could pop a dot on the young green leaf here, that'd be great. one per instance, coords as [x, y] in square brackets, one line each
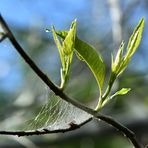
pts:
[92, 58]
[121, 62]
[68, 48]
[123, 91]
[135, 39]
[133, 43]
[59, 46]
[116, 64]
[65, 48]
[69, 41]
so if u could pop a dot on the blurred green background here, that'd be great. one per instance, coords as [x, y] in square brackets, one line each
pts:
[101, 23]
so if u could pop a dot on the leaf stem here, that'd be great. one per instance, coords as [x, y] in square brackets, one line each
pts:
[104, 97]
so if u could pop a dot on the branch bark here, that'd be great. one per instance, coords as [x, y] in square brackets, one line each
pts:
[125, 131]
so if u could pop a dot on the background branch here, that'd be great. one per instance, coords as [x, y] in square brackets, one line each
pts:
[116, 16]
[129, 134]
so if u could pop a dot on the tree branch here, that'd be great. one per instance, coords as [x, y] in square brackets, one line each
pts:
[44, 131]
[128, 133]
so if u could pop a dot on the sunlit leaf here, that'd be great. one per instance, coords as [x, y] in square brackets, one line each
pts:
[69, 41]
[92, 58]
[121, 61]
[123, 91]
[66, 48]
[133, 43]
[135, 38]
[117, 62]
[58, 44]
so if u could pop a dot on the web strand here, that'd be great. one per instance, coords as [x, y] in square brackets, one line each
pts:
[57, 114]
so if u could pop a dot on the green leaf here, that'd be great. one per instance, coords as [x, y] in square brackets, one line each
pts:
[65, 48]
[68, 48]
[135, 39]
[133, 43]
[92, 58]
[123, 91]
[58, 44]
[118, 60]
[121, 62]
[69, 41]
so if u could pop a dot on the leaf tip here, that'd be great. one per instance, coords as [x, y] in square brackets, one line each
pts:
[141, 23]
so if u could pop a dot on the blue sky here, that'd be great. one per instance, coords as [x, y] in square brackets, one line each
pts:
[44, 13]
[23, 13]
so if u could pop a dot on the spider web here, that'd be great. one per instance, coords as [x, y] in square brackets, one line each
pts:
[57, 114]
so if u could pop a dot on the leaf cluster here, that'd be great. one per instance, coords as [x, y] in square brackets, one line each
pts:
[69, 43]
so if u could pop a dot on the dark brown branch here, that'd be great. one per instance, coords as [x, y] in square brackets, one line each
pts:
[128, 133]
[44, 131]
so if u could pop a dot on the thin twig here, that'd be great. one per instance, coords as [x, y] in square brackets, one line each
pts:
[128, 133]
[44, 130]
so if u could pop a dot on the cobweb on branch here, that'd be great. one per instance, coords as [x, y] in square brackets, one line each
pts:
[57, 114]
